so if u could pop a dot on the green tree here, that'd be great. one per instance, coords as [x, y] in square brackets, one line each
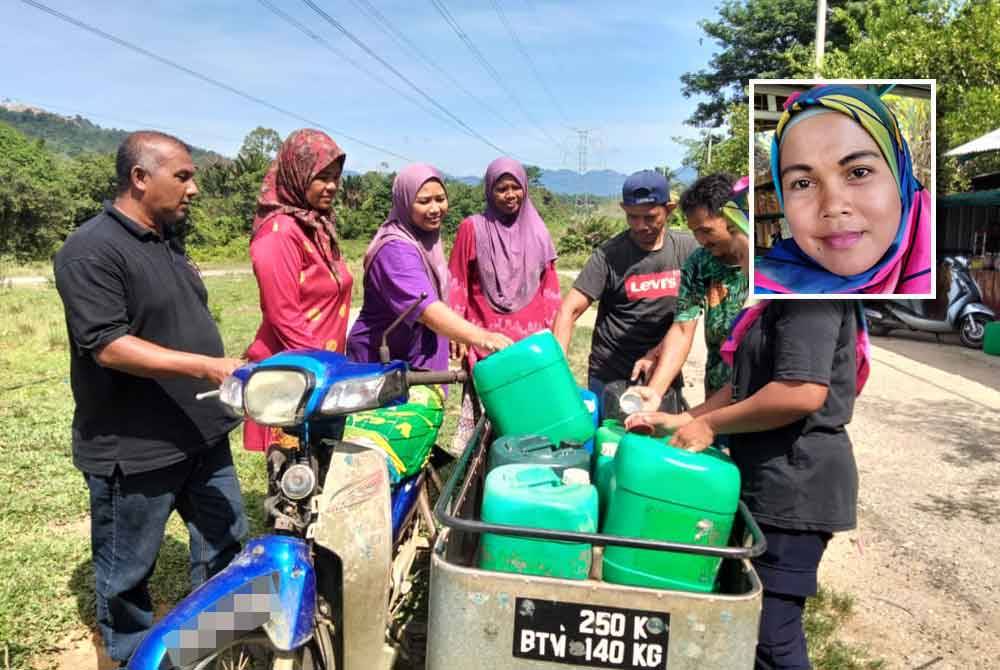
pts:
[91, 180]
[260, 144]
[952, 41]
[729, 151]
[758, 39]
[534, 176]
[34, 218]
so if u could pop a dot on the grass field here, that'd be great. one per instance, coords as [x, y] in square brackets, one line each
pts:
[46, 590]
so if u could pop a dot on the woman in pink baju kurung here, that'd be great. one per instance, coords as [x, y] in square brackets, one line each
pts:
[305, 285]
[503, 269]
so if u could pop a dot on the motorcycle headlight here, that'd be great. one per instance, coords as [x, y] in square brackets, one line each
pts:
[231, 394]
[273, 397]
[360, 393]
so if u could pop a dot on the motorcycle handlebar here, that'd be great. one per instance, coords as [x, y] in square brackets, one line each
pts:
[426, 378]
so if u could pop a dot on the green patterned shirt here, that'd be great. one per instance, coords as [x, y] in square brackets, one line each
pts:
[708, 285]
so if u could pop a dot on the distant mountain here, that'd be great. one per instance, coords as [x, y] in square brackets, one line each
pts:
[603, 183]
[74, 135]
[686, 176]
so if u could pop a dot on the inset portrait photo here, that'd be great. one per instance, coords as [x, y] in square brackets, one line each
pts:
[842, 188]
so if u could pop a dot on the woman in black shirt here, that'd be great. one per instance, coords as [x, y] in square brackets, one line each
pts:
[797, 367]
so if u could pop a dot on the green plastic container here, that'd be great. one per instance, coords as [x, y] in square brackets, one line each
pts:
[608, 437]
[528, 389]
[991, 339]
[536, 450]
[606, 442]
[532, 495]
[659, 492]
[406, 433]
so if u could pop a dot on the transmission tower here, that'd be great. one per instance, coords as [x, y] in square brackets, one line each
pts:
[582, 199]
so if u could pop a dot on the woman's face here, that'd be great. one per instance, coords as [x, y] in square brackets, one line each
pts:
[430, 206]
[841, 200]
[508, 195]
[323, 187]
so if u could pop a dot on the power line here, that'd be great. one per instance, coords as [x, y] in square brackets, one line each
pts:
[364, 47]
[324, 43]
[209, 80]
[492, 71]
[405, 42]
[527, 57]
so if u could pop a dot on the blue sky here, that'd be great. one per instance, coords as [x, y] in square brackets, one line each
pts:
[614, 67]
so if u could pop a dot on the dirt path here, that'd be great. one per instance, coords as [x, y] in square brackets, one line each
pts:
[922, 566]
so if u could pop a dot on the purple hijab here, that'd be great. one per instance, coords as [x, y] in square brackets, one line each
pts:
[512, 253]
[399, 226]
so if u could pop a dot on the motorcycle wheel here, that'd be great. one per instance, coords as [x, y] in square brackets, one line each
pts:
[255, 652]
[973, 330]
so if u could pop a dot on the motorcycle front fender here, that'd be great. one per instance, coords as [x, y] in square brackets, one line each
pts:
[270, 584]
[975, 308]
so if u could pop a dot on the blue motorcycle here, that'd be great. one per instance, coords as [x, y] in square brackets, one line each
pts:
[351, 517]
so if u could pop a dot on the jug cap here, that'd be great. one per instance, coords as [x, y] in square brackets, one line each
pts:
[572, 476]
[630, 402]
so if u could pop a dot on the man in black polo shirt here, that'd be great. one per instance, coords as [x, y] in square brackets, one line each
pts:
[635, 279]
[143, 344]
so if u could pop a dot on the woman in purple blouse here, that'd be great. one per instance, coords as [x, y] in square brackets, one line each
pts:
[405, 260]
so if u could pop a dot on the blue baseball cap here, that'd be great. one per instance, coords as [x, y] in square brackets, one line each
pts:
[646, 187]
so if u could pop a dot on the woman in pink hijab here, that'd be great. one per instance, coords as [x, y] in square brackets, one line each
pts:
[305, 285]
[405, 266]
[503, 269]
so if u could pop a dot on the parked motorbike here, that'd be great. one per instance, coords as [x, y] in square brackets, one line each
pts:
[325, 589]
[966, 314]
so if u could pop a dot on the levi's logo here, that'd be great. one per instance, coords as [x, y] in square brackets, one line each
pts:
[656, 285]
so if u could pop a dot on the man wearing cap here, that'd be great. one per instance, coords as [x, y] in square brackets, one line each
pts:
[635, 278]
[714, 282]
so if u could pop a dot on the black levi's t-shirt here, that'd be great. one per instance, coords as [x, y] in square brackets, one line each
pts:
[801, 476]
[636, 292]
[115, 278]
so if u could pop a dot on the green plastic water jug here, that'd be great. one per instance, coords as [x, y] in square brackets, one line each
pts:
[536, 450]
[606, 442]
[528, 389]
[661, 492]
[532, 495]
[991, 339]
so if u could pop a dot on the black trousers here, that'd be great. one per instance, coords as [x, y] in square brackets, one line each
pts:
[788, 572]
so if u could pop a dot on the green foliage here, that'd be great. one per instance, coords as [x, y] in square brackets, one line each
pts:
[729, 152]
[591, 231]
[362, 204]
[33, 194]
[43, 195]
[261, 143]
[757, 38]
[949, 40]
[464, 200]
[91, 181]
[825, 613]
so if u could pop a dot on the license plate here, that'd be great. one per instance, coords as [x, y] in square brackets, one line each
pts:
[584, 635]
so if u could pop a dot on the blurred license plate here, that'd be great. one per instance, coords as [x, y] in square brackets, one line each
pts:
[584, 635]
